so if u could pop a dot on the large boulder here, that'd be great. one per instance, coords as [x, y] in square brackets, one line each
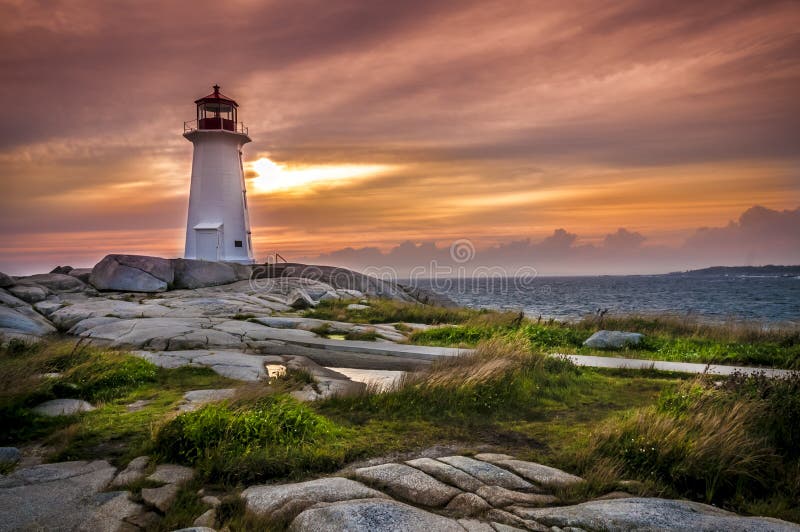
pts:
[613, 339]
[369, 515]
[650, 514]
[81, 273]
[269, 500]
[57, 282]
[30, 293]
[132, 273]
[6, 280]
[24, 320]
[407, 483]
[201, 273]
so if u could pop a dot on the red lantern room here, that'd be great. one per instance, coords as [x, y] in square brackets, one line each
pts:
[216, 111]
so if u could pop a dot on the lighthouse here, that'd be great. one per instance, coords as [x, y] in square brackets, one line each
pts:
[218, 226]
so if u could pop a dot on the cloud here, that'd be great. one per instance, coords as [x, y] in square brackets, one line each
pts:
[499, 124]
[761, 236]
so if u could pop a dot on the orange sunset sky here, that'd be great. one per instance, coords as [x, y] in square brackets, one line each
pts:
[384, 130]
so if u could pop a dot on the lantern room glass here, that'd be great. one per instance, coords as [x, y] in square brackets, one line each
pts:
[216, 115]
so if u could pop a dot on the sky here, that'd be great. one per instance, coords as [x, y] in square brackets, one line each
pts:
[574, 137]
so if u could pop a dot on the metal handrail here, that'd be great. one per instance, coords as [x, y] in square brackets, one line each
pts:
[191, 125]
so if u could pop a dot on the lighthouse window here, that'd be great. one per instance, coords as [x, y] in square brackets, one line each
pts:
[237, 243]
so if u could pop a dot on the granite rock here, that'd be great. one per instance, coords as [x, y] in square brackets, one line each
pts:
[406, 482]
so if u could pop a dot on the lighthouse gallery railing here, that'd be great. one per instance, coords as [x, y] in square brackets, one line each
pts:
[235, 127]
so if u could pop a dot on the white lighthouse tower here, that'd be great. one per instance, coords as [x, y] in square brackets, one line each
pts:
[218, 227]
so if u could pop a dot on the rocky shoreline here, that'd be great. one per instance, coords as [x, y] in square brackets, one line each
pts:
[242, 323]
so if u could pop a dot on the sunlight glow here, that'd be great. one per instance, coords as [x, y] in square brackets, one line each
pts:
[273, 177]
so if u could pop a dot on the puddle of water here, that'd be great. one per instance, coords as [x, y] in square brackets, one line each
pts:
[382, 379]
[336, 336]
[275, 370]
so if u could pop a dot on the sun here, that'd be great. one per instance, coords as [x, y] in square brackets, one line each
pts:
[273, 177]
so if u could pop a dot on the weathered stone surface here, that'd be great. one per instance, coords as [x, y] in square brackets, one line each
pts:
[266, 500]
[62, 269]
[542, 475]
[473, 525]
[57, 282]
[210, 500]
[133, 472]
[81, 273]
[132, 273]
[651, 514]
[172, 474]
[162, 498]
[144, 520]
[30, 293]
[299, 299]
[48, 306]
[357, 306]
[194, 399]
[406, 482]
[62, 407]
[612, 339]
[468, 504]
[510, 520]
[371, 515]
[231, 364]
[487, 473]
[24, 320]
[207, 519]
[501, 497]
[60, 496]
[6, 280]
[447, 473]
[114, 508]
[9, 455]
[201, 273]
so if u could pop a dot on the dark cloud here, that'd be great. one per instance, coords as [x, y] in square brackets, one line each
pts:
[761, 236]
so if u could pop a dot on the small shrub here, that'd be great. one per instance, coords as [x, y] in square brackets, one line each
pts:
[109, 375]
[369, 336]
[273, 420]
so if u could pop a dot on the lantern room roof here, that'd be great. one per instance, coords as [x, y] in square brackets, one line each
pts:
[216, 97]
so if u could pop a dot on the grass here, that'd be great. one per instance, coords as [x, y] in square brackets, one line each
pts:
[666, 338]
[733, 443]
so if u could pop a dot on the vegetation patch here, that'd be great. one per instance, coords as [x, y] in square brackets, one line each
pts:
[732, 443]
[390, 311]
[666, 338]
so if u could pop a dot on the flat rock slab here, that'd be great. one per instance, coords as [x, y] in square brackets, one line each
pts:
[59, 496]
[266, 500]
[172, 474]
[447, 473]
[487, 473]
[369, 516]
[406, 482]
[162, 498]
[543, 475]
[232, 364]
[62, 407]
[651, 514]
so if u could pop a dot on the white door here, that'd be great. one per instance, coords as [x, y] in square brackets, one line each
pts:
[207, 244]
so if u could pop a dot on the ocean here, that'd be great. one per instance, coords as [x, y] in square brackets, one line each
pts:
[762, 298]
